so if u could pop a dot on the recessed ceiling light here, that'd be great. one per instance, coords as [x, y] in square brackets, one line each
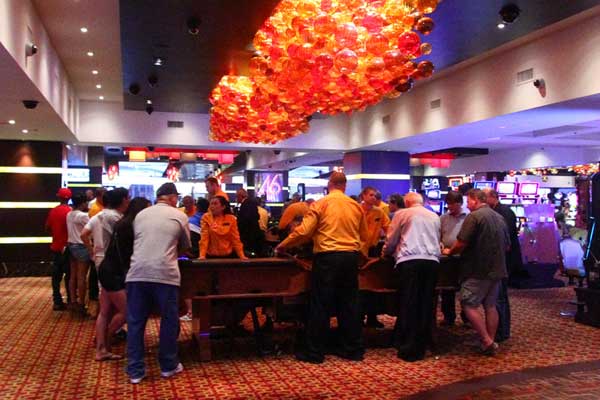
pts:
[95, 71]
[101, 97]
[148, 101]
[501, 25]
[98, 86]
[83, 29]
[12, 121]
[25, 131]
[90, 54]
[159, 61]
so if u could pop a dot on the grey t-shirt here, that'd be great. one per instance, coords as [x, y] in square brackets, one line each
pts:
[451, 225]
[159, 233]
[487, 239]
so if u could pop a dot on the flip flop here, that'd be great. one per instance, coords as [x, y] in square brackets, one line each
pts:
[109, 357]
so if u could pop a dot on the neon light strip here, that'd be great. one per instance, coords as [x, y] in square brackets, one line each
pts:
[27, 204]
[25, 240]
[399, 177]
[275, 204]
[31, 170]
[77, 185]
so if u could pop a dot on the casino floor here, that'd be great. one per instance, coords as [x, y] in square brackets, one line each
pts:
[46, 354]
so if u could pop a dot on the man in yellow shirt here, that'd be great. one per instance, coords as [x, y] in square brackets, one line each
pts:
[97, 205]
[189, 208]
[214, 188]
[385, 207]
[378, 223]
[338, 228]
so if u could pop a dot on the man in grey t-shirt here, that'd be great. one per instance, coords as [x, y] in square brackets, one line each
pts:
[482, 240]
[161, 233]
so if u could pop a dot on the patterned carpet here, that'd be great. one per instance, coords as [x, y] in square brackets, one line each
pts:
[50, 355]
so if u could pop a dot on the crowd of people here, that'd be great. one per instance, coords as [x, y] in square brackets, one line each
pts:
[132, 247]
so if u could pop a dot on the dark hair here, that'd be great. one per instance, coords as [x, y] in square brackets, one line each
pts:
[397, 199]
[366, 189]
[136, 205]
[477, 194]
[114, 198]
[454, 197]
[100, 192]
[224, 203]
[202, 204]
[79, 199]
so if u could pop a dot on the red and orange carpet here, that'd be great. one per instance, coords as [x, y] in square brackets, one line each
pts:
[50, 355]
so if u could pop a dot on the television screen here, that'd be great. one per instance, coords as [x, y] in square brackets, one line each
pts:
[269, 185]
[142, 169]
[506, 187]
[483, 184]
[529, 188]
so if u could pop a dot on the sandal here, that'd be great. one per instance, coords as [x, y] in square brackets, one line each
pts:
[109, 357]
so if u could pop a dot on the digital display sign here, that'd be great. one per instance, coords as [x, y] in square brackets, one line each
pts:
[269, 185]
[529, 188]
[506, 188]
[483, 184]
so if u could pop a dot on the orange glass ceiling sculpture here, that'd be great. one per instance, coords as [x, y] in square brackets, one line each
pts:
[326, 56]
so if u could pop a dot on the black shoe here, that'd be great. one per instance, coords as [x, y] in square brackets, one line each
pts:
[121, 335]
[410, 357]
[59, 307]
[374, 323]
[309, 359]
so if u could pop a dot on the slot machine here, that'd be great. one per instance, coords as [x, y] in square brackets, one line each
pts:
[529, 192]
[454, 183]
[435, 200]
[507, 192]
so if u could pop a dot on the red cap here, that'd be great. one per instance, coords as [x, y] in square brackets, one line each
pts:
[64, 193]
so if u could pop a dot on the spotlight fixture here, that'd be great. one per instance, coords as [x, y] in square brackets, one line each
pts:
[501, 25]
[158, 61]
[25, 131]
[509, 13]
[12, 122]
[98, 86]
[153, 81]
[193, 25]
[94, 72]
[134, 89]
[90, 54]
[83, 29]
[148, 101]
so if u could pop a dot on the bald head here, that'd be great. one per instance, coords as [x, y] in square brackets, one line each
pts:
[491, 196]
[337, 180]
[413, 199]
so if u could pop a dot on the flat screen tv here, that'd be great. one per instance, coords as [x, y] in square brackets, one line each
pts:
[269, 185]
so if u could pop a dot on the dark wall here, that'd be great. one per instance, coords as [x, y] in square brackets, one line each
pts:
[30, 187]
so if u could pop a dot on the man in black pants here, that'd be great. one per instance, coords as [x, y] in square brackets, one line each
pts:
[338, 228]
[414, 241]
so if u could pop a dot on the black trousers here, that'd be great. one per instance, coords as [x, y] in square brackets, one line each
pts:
[334, 289]
[60, 268]
[503, 307]
[416, 281]
[94, 289]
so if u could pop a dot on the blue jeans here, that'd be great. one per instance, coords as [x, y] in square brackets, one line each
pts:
[142, 298]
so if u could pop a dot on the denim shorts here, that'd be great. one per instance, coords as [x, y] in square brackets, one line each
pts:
[79, 252]
[475, 292]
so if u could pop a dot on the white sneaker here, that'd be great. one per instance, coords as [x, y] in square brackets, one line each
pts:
[135, 381]
[186, 317]
[168, 374]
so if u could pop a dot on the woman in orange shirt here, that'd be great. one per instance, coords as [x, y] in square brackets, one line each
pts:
[219, 235]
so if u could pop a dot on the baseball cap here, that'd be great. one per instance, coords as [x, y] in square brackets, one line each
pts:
[166, 189]
[64, 193]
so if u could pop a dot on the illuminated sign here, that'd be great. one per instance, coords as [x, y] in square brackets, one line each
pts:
[269, 185]
[77, 175]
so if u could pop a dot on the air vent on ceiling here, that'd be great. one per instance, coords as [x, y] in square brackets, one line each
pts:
[386, 119]
[175, 124]
[525, 75]
[435, 104]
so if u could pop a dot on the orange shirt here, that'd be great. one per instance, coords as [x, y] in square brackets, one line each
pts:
[219, 236]
[293, 211]
[189, 214]
[95, 209]
[335, 223]
[377, 221]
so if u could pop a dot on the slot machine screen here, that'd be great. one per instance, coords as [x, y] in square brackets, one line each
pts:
[506, 188]
[529, 189]
[483, 184]
[270, 185]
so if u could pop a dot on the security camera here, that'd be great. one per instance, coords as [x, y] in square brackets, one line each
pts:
[149, 109]
[509, 13]
[539, 83]
[30, 49]
[277, 152]
[153, 81]
[134, 89]
[30, 104]
[193, 25]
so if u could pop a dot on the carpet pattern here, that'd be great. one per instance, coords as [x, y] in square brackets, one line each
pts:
[50, 355]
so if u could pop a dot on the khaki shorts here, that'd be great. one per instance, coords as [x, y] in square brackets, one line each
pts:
[475, 292]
